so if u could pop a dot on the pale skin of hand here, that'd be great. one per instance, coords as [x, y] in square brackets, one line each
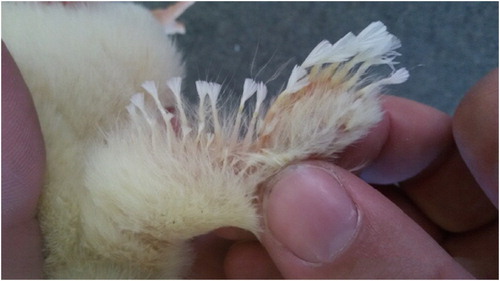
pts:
[382, 235]
[447, 218]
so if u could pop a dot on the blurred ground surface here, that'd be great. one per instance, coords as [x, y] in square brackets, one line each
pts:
[446, 46]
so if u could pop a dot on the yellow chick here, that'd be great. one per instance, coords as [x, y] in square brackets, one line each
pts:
[128, 182]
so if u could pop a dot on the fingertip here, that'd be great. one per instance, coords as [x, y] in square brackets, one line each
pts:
[309, 219]
[308, 211]
[475, 128]
[310, 231]
[364, 151]
[417, 136]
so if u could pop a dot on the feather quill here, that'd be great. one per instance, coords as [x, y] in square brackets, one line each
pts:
[125, 204]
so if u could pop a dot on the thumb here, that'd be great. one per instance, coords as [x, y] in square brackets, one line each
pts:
[323, 222]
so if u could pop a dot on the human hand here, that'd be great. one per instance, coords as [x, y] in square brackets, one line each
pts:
[23, 161]
[386, 243]
[321, 221]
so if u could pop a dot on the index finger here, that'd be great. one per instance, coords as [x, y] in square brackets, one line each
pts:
[475, 127]
[408, 139]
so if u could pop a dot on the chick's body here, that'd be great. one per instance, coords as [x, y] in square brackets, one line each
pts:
[126, 188]
[82, 63]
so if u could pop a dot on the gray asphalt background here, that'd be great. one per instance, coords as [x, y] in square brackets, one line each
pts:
[447, 46]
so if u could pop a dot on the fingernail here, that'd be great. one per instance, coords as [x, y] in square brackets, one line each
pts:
[308, 211]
